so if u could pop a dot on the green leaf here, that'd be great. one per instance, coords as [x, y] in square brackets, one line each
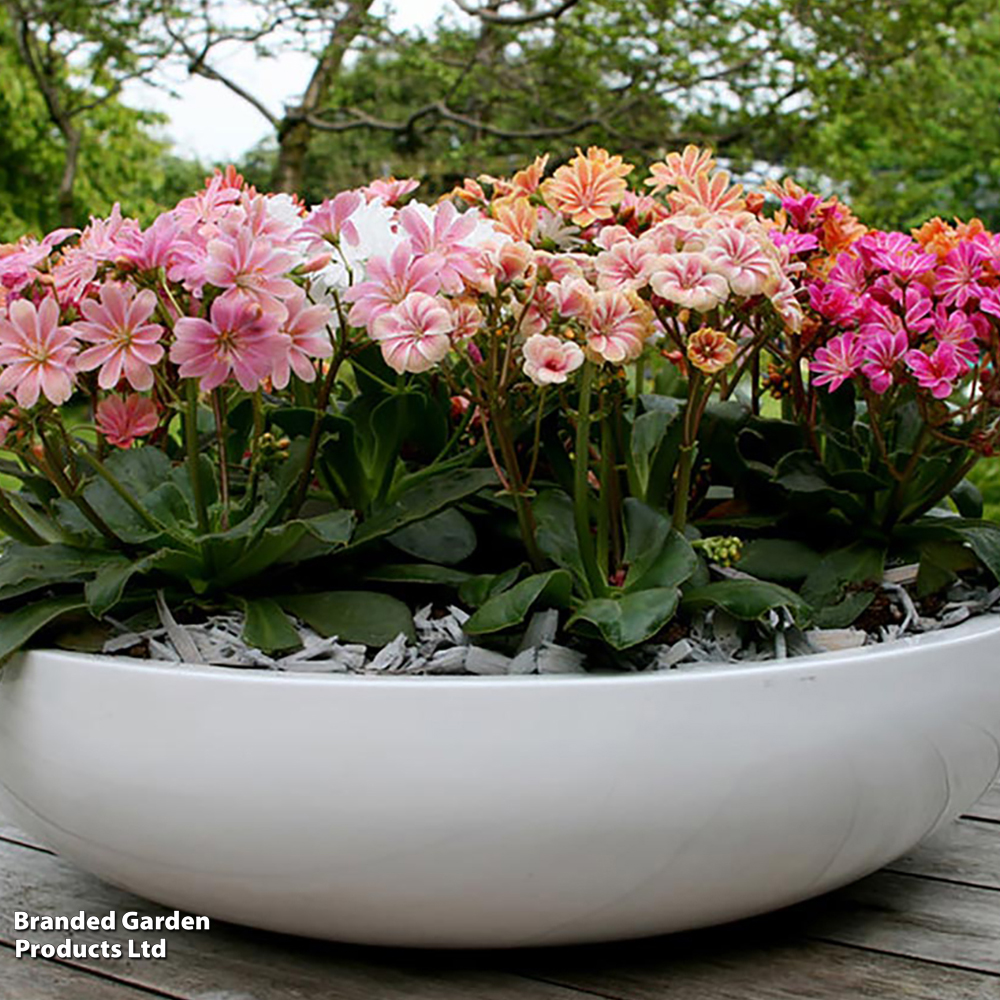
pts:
[779, 559]
[556, 533]
[748, 600]
[334, 528]
[940, 563]
[477, 590]
[19, 626]
[352, 615]
[968, 499]
[268, 628]
[420, 573]
[24, 568]
[648, 433]
[511, 607]
[630, 619]
[657, 556]
[844, 584]
[446, 537]
[424, 498]
[984, 539]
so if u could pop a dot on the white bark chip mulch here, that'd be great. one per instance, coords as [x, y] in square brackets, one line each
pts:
[441, 646]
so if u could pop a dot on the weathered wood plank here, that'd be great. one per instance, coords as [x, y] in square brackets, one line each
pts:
[988, 807]
[31, 979]
[15, 835]
[242, 964]
[912, 917]
[967, 851]
[739, 963]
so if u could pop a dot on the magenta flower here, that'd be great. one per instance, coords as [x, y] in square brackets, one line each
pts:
[938, 371]
[241, 339]
[849, 273]
[307, 339]
[959, 276]
[838, 361]
[794, 243]
[414, 335]
[883, 350]
[906, 265]
[617, 332]
[800, 210]
[125, 343]
[121, 421]
[956, 328]
[38, 353]
[250, 264]
[549, 360]
[691, 280]
[389, 282]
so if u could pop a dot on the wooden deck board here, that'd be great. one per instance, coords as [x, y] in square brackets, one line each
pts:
[927, 928]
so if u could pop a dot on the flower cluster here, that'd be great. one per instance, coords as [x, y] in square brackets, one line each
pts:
[889, 308]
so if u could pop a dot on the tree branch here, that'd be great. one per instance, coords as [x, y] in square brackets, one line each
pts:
[514, 20]
[438, 109]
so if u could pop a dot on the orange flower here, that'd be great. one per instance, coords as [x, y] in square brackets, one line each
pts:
[680, 166]
[710, 350]
[707, 191]
[588, 187]
[517, 217]
[469, 191]
[840, 226]
[525, 182]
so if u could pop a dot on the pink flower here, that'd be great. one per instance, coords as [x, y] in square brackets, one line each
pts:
[617, 331]
[38, 353]
[906, 265]
[104, 241]
[739, 257]
[241, 339]
[937, 372]
[390, 190]
[549, 360]
[330, 220]
[389, 282]
[440, 234]
[838, 361]
[250, 264]
[126, 342]
[121, 421]
[414, 335]
[849, 273]
[625, 266]
[883, 350]
[793, 242]
[305, 328]
[691, 280]
[573, 297]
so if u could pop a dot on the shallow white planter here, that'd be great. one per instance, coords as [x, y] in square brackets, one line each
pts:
[498, 811]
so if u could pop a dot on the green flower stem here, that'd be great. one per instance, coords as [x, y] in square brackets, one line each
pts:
[14, 525]
[688, 449]
[581, 488]
[221, 429]
[116, 484]
[682, 491]
[53, 467]
[258, 434]
[322, 401]
[194, 455]
[522, 505]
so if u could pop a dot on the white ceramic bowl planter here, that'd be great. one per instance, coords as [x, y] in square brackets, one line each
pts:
[498, 812]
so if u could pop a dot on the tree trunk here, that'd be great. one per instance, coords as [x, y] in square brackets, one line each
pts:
[294, 131]
[66, 201]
